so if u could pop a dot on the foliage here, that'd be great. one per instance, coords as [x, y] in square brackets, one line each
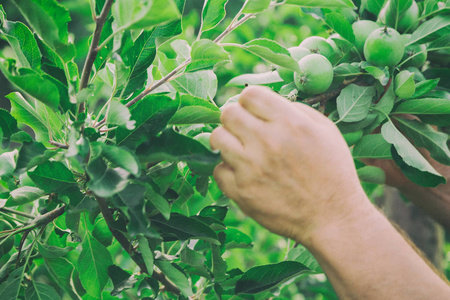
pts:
[103, 182]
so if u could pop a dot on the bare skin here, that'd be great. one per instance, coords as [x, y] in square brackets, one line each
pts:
[435, 201]
[288, 167]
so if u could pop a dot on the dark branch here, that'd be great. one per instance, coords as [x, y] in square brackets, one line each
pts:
[59, 145]
[123, 240]
[328, 95]
[93, 49]
[48, 217]
[323, 97]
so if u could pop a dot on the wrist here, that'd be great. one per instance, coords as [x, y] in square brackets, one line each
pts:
[355, 214]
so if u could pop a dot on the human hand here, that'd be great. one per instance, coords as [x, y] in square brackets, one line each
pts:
[286, 165]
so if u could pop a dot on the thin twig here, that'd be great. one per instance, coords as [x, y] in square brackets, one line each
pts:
[48, 217]
[324, 97]
[93, 49]
[23, 214]
[185, 63]
[59, 145]
[120, 237]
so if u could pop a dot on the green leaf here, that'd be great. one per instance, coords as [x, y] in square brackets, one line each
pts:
[371, 174]
[171, 146]
[147, 254]
[23, 112]
[414, 174]
[118, 114]
[302, 255]
[439, 43]
[40, 291]
[151, 115]
[93, 264]
[22, 41]
[374, 6]
[52, 177]
[8, 162]
[194, 110]
[425, 106]
[354, 102]
[382, 75]
[192, 258]
[216, 212]
[180, 227]
[397, 7]
[137, 14]
[50, 251]
[61, 271]
[104, 181]
[31, 82]
[372, 146]
[176, 276]
[237, 239]
[138, 58]
[346, 69]
[32, 154]
[255, 6]
[23, 195]
[425, 87]
[262, 278]
[341, 25]
[7, 123]
[267, 78]
[206, 54]
[201, 84]
[322, 3]
[431, 30]
[404, 84]
[213, 13]
[11, 287]
[438, 120]
[118, 156]
[172, 28]
[159, 202]
[425, 136]
[132, 197]
[219, 265]
[411, 157]
[383, 108]
[121, 279]
[49, 20]
[272, 52]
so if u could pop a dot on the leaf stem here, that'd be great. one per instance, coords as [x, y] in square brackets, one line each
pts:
[59, 145]
[93, 49]
[10, 217]
[169, 76]
[13, 211]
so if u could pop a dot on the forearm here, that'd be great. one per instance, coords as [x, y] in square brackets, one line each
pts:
[366, 258]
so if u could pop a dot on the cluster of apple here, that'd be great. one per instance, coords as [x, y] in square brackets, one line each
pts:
[376, 42]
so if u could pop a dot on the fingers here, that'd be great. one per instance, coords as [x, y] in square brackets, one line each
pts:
[264, 103]
[224, 176]
[231, 149]
[239, 122]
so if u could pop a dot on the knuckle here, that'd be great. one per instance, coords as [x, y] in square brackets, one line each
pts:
[251, 92]
[295, 123]
[228, 113]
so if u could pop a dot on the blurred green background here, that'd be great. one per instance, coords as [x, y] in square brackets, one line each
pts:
[288, 26]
